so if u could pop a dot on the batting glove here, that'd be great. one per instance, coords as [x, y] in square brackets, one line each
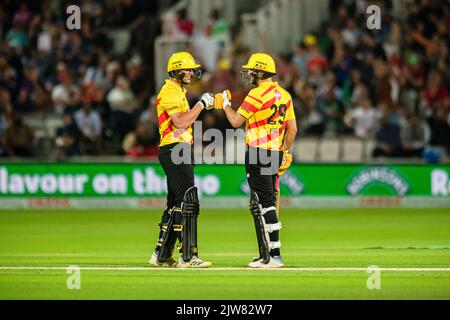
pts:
[219, 101]
[226, 95]
[207, 99]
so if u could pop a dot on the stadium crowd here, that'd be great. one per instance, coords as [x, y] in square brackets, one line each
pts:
[391, 85]
[94, 81]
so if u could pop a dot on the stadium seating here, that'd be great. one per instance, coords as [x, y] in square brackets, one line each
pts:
[345, 149]
[368, 146]
[44, 126]
[352, 150]
[329, 150]
[305, 150]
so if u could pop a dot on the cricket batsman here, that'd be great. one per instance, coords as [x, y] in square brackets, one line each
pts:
[271, 128]
[175, 118]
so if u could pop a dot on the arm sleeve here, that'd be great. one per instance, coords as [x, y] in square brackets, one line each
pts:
[170, 104]
[250, 105]
[290, 114]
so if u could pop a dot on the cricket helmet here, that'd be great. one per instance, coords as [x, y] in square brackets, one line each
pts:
[259, 66]
[261, 62]
[181, 61]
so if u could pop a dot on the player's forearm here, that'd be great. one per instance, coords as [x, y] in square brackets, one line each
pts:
[186, 119]
[291, 132]
[233, 117]
[290, 138]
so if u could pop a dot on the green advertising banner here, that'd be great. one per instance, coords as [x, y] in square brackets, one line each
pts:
[219, 183]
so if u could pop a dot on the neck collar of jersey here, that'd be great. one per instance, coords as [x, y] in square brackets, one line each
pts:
[176, 86]
[267, 83]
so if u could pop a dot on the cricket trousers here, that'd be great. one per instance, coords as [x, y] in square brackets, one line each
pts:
[261, 167]
[180, 177]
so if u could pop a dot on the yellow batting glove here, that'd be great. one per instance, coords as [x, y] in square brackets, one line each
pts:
[220, 101]
[286, 163]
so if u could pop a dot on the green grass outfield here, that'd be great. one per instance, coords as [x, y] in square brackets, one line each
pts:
[117, 245]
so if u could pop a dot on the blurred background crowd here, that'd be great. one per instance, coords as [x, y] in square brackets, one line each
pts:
[97, 85]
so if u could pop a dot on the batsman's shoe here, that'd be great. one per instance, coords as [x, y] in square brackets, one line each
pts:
[170, 263]
[273, 263]
[256, 258]
[195, 262]
[279, 259]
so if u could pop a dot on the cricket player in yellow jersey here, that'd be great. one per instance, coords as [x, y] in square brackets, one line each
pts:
[270, 126]
[175, 118]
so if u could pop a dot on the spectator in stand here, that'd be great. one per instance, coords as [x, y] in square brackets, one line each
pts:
[300, 59]
[316, 63]
[122, 103]
[341, 65]
[18, 138]
[9, 75]
[6, 106]
[136, 76]
[22, 15]
[392, 47]
[220, 28]
[44, 38]
[17, 36]
[89, 124]
[388, 142]
[96, 72]
[363, 119]
[139, 143]
[311, 119]
[65, 95]
[414, 72]
[333, 110]
[415, 135]
[435, 95]
[67, 138]
[144, 139]
[184, 24]
[368, 44]
[317, 76]
[350, 34]
[32, 95]
[113, 71]
[207, 48]
[75, 52]
[440, 129]
[387, 98]
[341, 15]
[315, 57]
[330, 84]
[354, 89]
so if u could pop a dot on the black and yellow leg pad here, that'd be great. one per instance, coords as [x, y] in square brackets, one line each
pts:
[261, 235]
[190, 209]
[170, 231]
